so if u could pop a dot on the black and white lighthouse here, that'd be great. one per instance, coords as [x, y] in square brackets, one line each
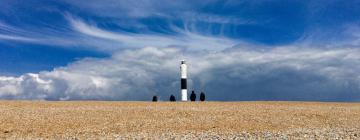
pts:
[183, 72]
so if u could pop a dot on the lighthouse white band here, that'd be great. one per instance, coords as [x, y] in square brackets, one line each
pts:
[183, 70]
[184, 95]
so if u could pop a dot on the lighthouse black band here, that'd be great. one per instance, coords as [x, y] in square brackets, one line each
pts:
[183, 84]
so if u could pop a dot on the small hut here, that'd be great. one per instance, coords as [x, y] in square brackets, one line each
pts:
[202, 96]
[193, 96]
[155, 99]
[172, 98]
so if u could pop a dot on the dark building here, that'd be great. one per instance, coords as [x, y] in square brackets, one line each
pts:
[172, 98]
[193, 96]
[155, 99]
[202, 96]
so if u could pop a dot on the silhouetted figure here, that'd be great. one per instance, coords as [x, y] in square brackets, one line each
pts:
[155, 99]
[172, 98]
[202, 96]
[193, 96]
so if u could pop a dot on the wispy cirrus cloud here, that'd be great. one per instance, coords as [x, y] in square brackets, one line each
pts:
[182, 38]
[91, 36]
[8, 32]
[17, 38]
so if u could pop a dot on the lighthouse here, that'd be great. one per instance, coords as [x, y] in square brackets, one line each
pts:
[183, 74]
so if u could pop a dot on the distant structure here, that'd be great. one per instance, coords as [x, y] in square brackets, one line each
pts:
[202, 96]
[183, 73]
[155, 99]
[193, 96]
[172, 98]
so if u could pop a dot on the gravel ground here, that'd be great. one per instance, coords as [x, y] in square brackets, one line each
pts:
[179, 120]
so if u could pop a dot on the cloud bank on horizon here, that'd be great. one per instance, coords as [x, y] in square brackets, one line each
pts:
[237, 50]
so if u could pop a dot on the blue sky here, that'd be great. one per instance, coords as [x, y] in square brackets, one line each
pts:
[67, 49]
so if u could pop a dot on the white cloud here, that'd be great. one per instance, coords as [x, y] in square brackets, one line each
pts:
[284, 73]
